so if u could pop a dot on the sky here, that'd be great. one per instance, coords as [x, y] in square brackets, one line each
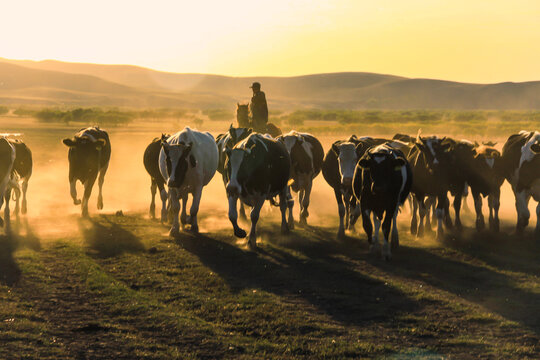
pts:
[461, 40]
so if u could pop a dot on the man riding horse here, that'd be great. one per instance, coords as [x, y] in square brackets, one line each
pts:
[258, 108]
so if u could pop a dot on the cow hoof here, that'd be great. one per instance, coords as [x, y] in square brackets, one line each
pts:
[341, 235]
[303, 221]
[174, 233]
[240, 233]
[194, 229]
[374, 248]
[252, 245]
[387, 257]
[1, 222]
[100, 205]
[23, 210]
[440, 236]
[480, 225]
[77, 202]
[420, 233]
[290, 225]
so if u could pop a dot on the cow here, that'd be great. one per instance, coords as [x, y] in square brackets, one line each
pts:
[23, 171]
[257, 169]
[338, 171]
[306, 162]
[7, 160]
[89, 155]
[151, 164]
[381, 184]
[228, 140]
[520, 165]
[430, 164]
[187, 161]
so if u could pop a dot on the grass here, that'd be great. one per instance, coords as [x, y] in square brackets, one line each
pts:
[121, 288]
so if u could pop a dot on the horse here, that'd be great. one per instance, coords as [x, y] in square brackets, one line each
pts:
[244, 120]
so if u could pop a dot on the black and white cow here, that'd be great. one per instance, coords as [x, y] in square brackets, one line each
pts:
[227, 141]
[188, 160]
[22, 169]
[257, 169]
[381, 184]
[430, 163]
[338, 170]
[7, 160]
[89, 155]
[151, 164]
[306, 162]
[520, 165]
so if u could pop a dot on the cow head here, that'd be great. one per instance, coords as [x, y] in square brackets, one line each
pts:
[237, 134]
[347, 158]
[301, 159]
[437, 151]
[83, 149]
[487, 154]
[178, 158]
[380, 163]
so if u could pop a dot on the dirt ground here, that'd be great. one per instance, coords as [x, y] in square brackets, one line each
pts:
[116, 286]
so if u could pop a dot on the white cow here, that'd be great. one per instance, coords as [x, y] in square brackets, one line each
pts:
[7, 159]
[188, 160]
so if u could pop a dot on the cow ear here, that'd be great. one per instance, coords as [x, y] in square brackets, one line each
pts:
[164, 137]
[165, 146]
[230, 127]
[69, 142]
[535, 148]
[279, 138]
[364, 163]
[335, 149]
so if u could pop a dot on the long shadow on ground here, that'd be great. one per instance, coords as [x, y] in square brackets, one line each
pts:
[326, 282]
[9, 270]
[107, 238]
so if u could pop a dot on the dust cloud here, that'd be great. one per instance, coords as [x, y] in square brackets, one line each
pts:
[52, 215]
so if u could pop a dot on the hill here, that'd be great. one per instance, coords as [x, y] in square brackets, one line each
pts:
[52, 81]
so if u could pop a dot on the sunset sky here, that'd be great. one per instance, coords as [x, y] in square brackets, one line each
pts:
[463, 40]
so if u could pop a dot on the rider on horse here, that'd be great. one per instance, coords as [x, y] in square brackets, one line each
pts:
[258, 108]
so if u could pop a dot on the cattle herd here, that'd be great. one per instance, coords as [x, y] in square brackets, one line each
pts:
[371, 177]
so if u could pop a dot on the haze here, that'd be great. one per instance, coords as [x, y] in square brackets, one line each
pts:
[472, 41]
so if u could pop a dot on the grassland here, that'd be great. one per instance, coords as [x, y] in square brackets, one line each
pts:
[116, 286]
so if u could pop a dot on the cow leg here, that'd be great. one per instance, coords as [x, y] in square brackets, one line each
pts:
[24, 186]
[242, 211]
[354, 213]
[347, 200]
[386, 225]
[88, 185]
[174, 201]
[306, 194]
[184, 218]
[494, 205]
[536, 230]
[254, 216]
[447, 218]
[377, 225]
[368, 227]
[522, 207]
[430, 206]
[164, 207]
[290, 205]
[101, 180]
[341, 212]
[464, 198]
[395, 235]
[285, 201]
[73, 191]
[414, 220]
[441, 204]
[153, 190]
[233, 218]
[194, 208]
[422, 213]
[17, 195]
[457, 208]
[480, 224]
[7, 222]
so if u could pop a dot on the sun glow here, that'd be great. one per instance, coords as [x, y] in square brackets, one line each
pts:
[479, 41]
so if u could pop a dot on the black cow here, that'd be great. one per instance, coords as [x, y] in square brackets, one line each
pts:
[151, 164]
[520, 165]
[257, 169]
[306, 162]
[338, 171]
[382, 181]
[404, 137]
[7, 160]
[89, 155]
[430, 164]
[23, 171]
